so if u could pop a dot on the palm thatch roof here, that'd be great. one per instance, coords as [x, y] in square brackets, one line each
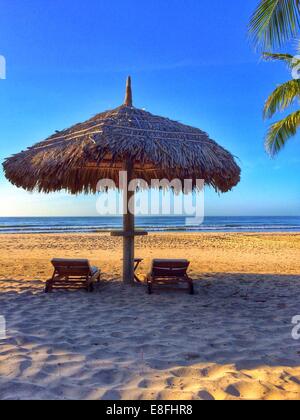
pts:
[75, 159]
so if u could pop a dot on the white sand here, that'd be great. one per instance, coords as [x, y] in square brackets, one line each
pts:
[232, 340]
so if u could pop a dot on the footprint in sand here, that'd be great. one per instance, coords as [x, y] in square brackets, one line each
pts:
[206, 396]
[233, 391]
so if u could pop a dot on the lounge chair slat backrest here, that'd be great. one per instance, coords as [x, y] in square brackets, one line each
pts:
[169, 268]
[72, 267]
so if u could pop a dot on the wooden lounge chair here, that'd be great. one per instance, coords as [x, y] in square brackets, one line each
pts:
[168, 273]
[73, 274]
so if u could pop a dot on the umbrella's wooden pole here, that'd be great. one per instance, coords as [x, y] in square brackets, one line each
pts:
[128, 228]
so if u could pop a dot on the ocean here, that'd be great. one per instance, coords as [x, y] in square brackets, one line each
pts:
[151, 224]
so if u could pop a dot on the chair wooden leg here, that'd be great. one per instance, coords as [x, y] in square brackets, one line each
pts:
[90, 288]
[149, 284]
[191, 288]
[91, 281]
[48, 288]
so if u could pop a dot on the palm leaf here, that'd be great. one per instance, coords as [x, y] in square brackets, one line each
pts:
[280, 132]
[286, 58]
[282, 98]
[274, 22]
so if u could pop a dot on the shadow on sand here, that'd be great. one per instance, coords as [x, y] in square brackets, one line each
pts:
[238, 320]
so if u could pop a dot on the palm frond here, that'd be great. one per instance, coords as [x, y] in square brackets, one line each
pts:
[274, 22]
[280, 132]
[288, 59]
[282, 98]
[293, 62]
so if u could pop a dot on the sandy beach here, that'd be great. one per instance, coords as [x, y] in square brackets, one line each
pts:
[231, 340]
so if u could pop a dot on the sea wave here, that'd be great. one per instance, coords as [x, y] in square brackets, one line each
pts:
[28, 229]
[56, 225]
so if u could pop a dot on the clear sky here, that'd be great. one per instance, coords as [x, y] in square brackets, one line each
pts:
[190, 60]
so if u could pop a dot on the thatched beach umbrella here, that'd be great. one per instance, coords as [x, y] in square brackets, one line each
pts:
[126, 138]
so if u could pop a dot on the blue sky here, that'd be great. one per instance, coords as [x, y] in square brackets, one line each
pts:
[190, 60]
